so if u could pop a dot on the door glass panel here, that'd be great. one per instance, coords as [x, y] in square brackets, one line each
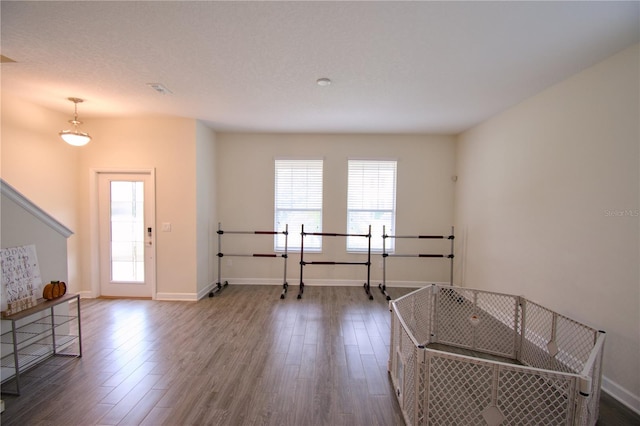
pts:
[127, 231]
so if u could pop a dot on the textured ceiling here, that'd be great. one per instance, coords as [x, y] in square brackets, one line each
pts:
[437, 67]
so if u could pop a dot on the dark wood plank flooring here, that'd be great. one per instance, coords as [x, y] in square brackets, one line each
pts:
[244, 357]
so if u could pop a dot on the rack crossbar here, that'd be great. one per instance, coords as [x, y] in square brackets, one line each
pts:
[250, 255]
[415, 255]
[367, 285]
[433, 237]
[383, 286]
[332, 234]
[253, 232]
[219, 284]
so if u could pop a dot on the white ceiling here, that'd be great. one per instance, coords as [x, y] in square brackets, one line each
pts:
[396, 67]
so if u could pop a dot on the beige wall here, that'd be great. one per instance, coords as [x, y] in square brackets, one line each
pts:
[206, 221]
[246, 202]
[39, 165]
[167, 144]
[22, 226]
[547, 206]
[57, 178]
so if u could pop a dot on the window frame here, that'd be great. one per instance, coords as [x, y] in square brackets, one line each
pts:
[376, 234]
[312, 244]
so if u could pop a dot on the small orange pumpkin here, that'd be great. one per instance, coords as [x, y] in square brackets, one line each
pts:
[54, 289]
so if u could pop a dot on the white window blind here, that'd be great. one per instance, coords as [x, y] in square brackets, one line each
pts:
[298, 201]
[371, 200]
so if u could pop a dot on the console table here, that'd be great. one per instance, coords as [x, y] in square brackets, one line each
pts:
[48, 333]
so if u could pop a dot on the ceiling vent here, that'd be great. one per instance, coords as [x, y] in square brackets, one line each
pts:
[159, 88]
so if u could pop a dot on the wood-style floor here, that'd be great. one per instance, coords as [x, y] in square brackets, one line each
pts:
[244, 357]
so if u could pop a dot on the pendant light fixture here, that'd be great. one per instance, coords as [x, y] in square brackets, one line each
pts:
[75, 137]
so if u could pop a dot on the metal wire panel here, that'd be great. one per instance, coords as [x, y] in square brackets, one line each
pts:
[411, 316]
[455, 308]
[416, 311]
[423, 314]
[594, 398]
[404, 307]
[408, 377]
[403, 357]
[423, 383]
[555, 342]
[467, 391]
[561, 386]
[498, 316]
[394, 343]
[537, 329]
[575, 342]
[458, 389]
[529, 397]
[589, 408]
[478, 320]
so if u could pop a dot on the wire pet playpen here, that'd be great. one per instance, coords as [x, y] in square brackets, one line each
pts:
[507, 361]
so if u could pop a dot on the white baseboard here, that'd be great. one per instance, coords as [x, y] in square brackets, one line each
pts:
[192, 297]
[178, 297]
[255, 281]
[621, 394]
[275, 282]
[412, 284]
[86, 295]
[318, 282]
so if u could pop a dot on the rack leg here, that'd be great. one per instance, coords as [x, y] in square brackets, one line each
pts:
[285, 285]
[367, 285]
[215, 289]
[218, 287]
[367, 289]
[383, 290]
[301, 290]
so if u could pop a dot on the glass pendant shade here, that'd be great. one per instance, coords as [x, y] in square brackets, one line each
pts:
[75, 137]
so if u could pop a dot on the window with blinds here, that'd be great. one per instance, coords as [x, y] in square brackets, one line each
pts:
[371, 200]
[298, 201]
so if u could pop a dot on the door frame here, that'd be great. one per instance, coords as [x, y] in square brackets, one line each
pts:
[94, 225]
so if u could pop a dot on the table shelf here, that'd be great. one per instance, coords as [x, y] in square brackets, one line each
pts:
[39, 333]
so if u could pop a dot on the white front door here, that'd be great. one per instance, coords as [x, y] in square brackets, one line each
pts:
[127, 234]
